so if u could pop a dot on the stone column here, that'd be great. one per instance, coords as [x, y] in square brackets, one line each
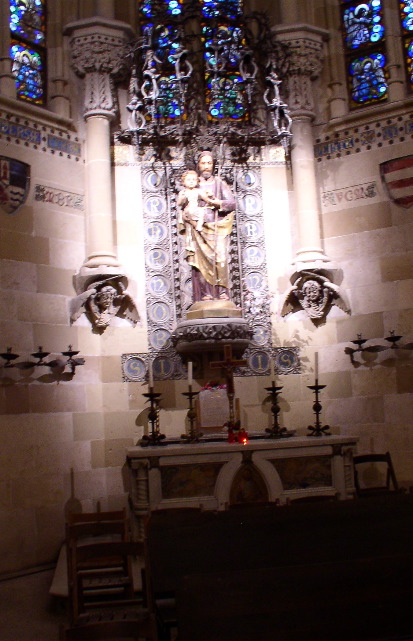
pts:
[394, 62]
[96, 47]
[338, 100]
[59, 101]
[105, 8]
[7, 81]
[97, 56]
[306, 48]
[306, 44]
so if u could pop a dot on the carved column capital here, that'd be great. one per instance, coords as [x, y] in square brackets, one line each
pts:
[98, 55]
[306, 49]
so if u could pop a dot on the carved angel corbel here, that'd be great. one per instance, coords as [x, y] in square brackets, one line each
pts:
[104, 299]
[314, 293]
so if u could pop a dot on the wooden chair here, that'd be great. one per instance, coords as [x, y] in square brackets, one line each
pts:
[95, 524]
[101, 577]
[141, 628]
[383, 466]
[85, 528]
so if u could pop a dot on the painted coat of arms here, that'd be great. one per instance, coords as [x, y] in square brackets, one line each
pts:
[397, 177]
[14, 184]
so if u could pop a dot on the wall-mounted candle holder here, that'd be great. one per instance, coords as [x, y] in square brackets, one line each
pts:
[57, 364]
[393, 343]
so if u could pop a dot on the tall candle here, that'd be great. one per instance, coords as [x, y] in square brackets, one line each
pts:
[150, 375]
[316, 366]
[190, 373]
[272, 369]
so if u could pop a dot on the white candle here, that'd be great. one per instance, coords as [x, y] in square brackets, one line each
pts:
[316, 366]
[272, 369]
[190, 373]
[150, 375]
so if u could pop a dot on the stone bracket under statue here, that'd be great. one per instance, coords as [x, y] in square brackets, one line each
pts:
[210, 325]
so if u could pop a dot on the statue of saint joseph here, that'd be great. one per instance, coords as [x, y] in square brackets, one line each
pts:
[206, 212]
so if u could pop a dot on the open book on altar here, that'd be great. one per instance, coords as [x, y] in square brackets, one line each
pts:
[212, 409]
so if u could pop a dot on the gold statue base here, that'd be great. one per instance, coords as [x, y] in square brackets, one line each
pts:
[215, 308]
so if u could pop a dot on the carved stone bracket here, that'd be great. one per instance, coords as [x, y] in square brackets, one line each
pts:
[313, 292]
[101, 297]
[306, 49]
[98, 55]
[193, 336]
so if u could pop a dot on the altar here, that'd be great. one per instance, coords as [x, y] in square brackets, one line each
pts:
[216, 475]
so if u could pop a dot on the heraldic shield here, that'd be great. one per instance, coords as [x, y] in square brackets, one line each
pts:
[397, 177]
[14, 184]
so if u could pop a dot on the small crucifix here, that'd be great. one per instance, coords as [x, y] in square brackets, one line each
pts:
[229, 364]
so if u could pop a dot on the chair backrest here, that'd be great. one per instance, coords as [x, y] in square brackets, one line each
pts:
[108, 549]
[96, 517]
[101, 562]
[144, 628]
[115, 529]
[389, 482]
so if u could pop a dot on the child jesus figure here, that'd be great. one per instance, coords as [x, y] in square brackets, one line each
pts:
[191, 200]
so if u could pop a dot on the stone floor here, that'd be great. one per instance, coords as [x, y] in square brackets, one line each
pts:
[28, 612]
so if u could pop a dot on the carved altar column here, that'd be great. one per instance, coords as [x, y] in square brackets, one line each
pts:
[306, 45]
[98, 57]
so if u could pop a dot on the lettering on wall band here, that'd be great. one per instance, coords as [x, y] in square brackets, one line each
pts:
[39, 137]
[58, 197]
[373, 136]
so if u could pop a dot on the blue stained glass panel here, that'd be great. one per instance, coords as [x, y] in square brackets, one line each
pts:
[229, 9]
[168, 103]
[225, 97]
[409, 61]
[406, 12]
[27, 20]
[363, 23]
[166, 43]
[367, 79]
[225, 41]
[172, 7]
[29, 72]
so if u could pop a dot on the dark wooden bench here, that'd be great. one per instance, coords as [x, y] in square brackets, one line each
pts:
[313, 543]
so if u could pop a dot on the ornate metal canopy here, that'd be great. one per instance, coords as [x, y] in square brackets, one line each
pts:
[203, 80]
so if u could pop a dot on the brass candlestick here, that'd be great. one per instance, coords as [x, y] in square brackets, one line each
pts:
[276, 431]
[194, 434]
[155, 437]
[317, 429]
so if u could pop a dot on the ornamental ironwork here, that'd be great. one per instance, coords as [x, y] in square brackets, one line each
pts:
[208, 80]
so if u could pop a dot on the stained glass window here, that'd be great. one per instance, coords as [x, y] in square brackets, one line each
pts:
[406, 18]
[364, 41]
[165, 58]
[363, 23]
[228, 9]
[27, 48]
[162, 51]
[223, 48]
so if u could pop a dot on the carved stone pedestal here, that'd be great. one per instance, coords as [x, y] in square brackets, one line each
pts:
[208, 334]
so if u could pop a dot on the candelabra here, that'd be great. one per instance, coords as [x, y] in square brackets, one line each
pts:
[154, 437]
[317, 429]
[194, 434]
[40, 355]
[392, 339]
[276, 431]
